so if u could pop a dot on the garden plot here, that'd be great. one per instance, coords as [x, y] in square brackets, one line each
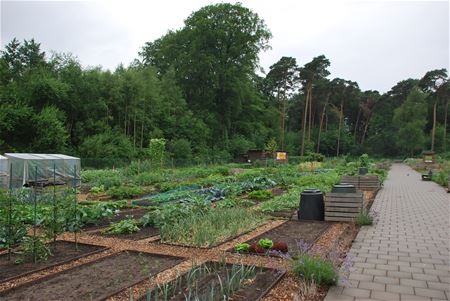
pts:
[96, 280]
[291, 236]
[218, 281]
[121, 215]
[142, 233]
[62, 252]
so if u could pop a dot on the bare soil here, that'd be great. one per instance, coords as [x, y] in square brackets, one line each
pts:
[112, 274]
[62, 251]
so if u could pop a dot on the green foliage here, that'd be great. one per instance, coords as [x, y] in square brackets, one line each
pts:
[102, 177]
[97, 189]
[124, 192]
[109, 144]
[181, 149]
[260, 195]
[51, 135]
[156, 151]
[33, 249]
[364, 219]
[242, 248]
[126, 226]
[410, 120]
[312, 157]
[271, 146]
[364, 160]
[13, 227]
[265, 243]
[209, 228]
[315, 269]
[441, 177]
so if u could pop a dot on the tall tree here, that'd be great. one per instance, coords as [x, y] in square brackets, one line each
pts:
[430, 83]
[282, 80]
[309, 75]
[410, 120]
[214, 57]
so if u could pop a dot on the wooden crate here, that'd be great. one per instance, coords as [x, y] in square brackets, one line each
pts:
[343, 207]
[363, 183]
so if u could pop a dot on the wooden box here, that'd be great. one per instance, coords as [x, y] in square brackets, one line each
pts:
[343, 207]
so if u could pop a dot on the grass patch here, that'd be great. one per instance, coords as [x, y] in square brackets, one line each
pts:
[315, 269]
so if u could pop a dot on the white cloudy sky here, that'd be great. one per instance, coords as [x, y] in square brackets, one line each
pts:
[376, 43]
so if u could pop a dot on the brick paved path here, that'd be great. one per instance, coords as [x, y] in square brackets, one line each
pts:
[405, 254]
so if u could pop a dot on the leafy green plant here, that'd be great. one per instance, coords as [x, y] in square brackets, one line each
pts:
[126, 226]
[441, 177]
[260, 195]
[364, 219]
[33, 248]
[315, 269]
[364, 160]
[265, 243]
[242, 248]
[97, 189]
[123, 192]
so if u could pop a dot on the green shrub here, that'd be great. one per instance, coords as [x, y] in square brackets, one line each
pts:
[125, 226]
[315, 269]
[123, 192]
[364, 219]
[260, 195]
[364, 160]
[33, 248]
[148, 178]
[441, 177]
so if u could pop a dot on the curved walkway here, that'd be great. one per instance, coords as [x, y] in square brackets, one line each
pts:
[405, 254]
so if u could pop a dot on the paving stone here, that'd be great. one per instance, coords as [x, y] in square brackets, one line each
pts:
[401, 289]
[413, 298]
[385, 296]
[387, 280]
[426, 277]
[356, 292]
[372, 286]
[432, 293]
[396, 274]
[414, 283]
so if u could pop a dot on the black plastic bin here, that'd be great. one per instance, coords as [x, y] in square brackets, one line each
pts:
[344, 188]
[312, 206]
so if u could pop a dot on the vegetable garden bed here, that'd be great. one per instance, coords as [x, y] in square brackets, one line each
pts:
[214, 281]
[96, 280]
[143, 233]
[298, 235]
[136, 213]
[63, 252]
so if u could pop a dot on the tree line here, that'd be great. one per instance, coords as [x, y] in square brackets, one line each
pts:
[201, 89]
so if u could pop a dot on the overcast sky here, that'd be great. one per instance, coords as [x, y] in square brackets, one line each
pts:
[376, 43]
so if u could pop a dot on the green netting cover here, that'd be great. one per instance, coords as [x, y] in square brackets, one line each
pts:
[43, 169]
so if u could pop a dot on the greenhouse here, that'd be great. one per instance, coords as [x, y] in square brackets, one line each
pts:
[3, 171]
[24, 170]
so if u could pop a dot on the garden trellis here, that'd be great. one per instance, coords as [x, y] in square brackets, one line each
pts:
[41, 192]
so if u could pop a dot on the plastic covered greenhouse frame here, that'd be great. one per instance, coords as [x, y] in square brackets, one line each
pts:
[42, 170]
